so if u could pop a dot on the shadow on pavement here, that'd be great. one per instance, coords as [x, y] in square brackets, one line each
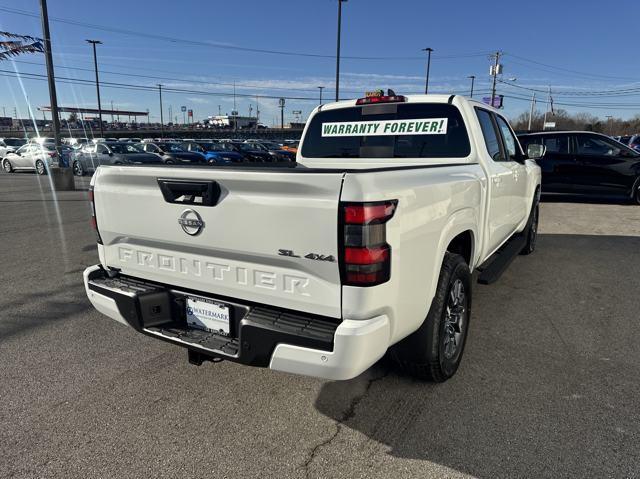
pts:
[587, 199]
[549, 383]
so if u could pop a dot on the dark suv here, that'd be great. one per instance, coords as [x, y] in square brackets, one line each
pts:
[584, 162]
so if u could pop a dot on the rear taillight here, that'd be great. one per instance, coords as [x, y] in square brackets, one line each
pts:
[94, 221]
[365, 256]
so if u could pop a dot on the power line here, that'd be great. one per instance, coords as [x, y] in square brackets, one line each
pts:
[576, 72]
[27, 13]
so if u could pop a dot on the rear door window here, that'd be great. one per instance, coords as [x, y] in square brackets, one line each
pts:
[491, 137]
[388, 130]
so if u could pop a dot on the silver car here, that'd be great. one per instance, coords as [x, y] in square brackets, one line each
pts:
[31, 156]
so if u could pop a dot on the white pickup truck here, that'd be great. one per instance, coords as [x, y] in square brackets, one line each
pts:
[366, 246]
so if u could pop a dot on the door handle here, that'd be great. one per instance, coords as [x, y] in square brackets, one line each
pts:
[189, 192]
[496, 180]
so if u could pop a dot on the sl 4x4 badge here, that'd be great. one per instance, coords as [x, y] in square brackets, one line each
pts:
[313, 256]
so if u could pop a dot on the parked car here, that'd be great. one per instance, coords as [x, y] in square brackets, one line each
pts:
[275, 150]
[292, 146]
[214, 152]
[368, 245]
[8, 145]
[586, 163]
[250, 151]
[90, 156]
[32, 156]
[173, 153]
[634, 142]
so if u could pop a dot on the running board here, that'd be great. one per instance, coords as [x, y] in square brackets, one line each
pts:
[501, 259]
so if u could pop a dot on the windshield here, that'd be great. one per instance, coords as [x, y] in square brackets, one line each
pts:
[14, 142]
[393, 130]
[212, 147]
[124, 148]
[248, 146]
[177, 147]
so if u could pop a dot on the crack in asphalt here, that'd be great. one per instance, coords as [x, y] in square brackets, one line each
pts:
[347, 414]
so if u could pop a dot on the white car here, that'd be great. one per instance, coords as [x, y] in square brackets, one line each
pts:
[32, 156]
[366, 245]
[8, 145]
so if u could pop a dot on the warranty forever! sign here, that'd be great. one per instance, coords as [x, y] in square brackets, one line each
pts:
[425, 126]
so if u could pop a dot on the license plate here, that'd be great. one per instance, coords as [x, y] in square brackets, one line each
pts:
[203, 313]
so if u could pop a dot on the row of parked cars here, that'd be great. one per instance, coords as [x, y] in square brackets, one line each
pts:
[85, 156]
[632, 141]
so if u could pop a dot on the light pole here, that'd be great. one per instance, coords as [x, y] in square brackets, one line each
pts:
[473, 79]
[44, 16]
[95, 66]
[320, 88]
[338, 49]
[111, 111]
[609, 118]
[426, 85]
[161, 117]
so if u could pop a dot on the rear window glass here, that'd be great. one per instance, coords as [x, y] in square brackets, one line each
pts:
[392, 130]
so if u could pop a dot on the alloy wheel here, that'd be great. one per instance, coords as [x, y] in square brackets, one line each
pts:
[454, 318]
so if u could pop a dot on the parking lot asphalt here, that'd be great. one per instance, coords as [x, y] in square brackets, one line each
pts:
[549, 385]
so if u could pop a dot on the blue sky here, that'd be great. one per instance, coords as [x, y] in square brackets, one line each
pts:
[580, 48]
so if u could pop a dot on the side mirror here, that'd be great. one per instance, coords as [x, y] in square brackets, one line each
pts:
[535, 152]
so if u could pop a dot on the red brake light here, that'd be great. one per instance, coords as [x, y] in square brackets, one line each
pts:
[365, 255]
[381, 99]
[365, 213]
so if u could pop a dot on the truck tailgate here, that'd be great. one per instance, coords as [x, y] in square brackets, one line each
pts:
[237, 252]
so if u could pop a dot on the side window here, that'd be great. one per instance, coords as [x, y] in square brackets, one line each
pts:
[511, 144]
[595, 146]
[557, 144]
[490, 134]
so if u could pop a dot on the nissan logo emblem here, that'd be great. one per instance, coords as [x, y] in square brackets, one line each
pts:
[191, 222]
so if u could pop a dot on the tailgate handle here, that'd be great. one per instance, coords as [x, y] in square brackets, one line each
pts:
[189, 192]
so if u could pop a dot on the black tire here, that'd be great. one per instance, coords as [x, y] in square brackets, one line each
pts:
[169, 162]
[7, 166]
[41, 169]
[531, 231]
[78, 170]
[429, 353]
[636, 192]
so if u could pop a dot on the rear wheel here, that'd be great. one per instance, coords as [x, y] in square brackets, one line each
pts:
[434, 351]
[40, 168]
[531, 231]
[169, 162]
[636, 193]
[78, 170]
[7, 166]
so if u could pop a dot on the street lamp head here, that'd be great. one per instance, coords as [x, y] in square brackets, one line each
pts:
[471, 76]
[427, 49]
[95, 42]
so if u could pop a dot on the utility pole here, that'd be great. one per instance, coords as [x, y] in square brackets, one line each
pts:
[111, 111]
[544, 123]
[95, 66]
[281, 103]
[4, 112]
[496, 68]
[426, 85]
[338, 49]
[148, 118]
[609, 118]
[533, 104]
[473, 79]
[320, 88]
[55, 120]
[219, 111]
[161, 117]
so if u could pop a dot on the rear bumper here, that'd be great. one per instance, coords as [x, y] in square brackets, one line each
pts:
[261, 336]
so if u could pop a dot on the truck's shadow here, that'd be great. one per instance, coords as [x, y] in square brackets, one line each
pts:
[549, 380]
